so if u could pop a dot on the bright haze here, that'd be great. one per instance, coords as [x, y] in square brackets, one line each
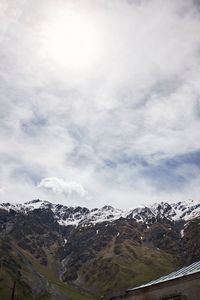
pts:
[99, 101]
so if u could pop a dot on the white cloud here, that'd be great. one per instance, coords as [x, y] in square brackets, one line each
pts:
[137, 103]
[60, 186]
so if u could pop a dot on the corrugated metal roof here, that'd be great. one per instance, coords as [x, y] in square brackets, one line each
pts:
[191, 269]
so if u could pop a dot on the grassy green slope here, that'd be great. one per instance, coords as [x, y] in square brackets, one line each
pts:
[125, 265]
[49, 273]
[21, 267]
[119, 264]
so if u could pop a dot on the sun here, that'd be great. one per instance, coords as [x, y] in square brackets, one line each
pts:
[71, 41]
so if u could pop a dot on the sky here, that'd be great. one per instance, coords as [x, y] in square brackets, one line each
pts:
[100, 101]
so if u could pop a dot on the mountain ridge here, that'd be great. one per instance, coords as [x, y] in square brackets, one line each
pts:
[69, 215]
[98, 251]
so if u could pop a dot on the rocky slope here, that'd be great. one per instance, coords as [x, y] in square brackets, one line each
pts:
[65, 215]
[53, 251]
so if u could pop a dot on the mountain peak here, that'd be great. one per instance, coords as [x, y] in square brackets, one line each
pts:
[83, 216]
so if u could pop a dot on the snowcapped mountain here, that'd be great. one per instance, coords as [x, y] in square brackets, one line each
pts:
[82, 216]
[65, 215]
[87, 248]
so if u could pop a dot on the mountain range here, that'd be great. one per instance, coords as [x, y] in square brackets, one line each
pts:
[52, 251]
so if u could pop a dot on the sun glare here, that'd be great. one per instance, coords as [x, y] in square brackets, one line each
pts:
[72, 41]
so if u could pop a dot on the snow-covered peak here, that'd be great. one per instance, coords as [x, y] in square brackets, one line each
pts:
[186, 210]
[182, 210]
[8, 206]
[82, 216]
[37, 203]
[27, 206]
[106, 213]
[141, 214]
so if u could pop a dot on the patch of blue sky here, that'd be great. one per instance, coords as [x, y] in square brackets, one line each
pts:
[77, 133]
[164, 178]
[165, 87]
[126, 161]
[190, 158]
[32, 174]
[110, 164]
[20, 169]
[175, 172]
[32, 126]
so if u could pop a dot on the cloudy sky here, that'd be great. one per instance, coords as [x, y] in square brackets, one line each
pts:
[100, 101]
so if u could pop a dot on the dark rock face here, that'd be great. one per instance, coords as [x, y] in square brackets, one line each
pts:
[191, 242]
[108, 255]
